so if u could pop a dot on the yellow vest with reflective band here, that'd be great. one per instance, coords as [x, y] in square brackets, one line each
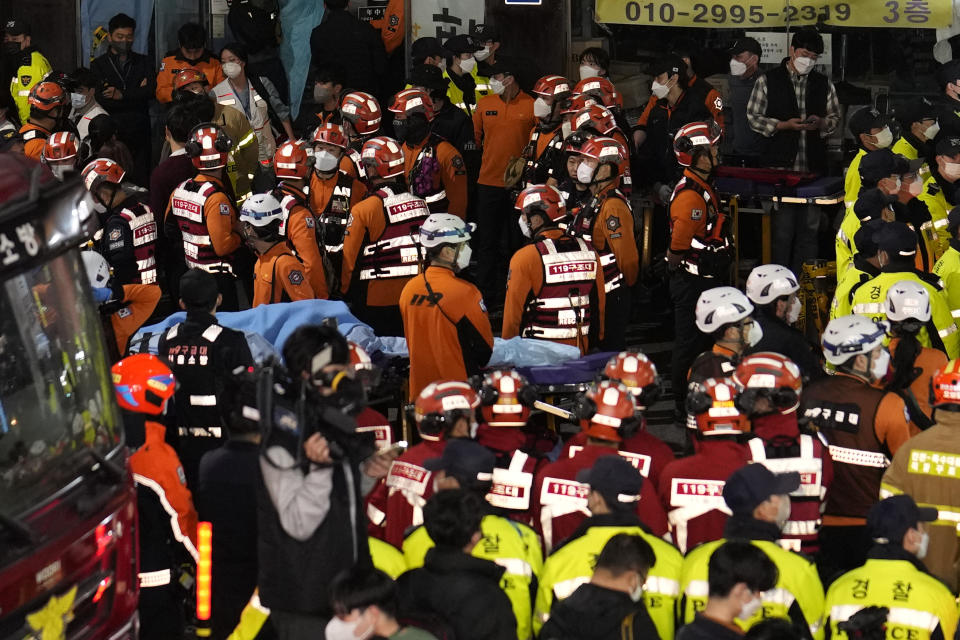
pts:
[252, 619]
[851, 181]
[938, 206]
[841, 296]
[870, 297]
[455, 94]
[572, 565]
[844, 242]
[908, 151]
[386, 557]
[921, 607]
[513, 546]
[798, 590]
[23, 80]
[948, 270]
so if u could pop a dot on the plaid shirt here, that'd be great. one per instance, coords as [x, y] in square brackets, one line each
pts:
[767, 126]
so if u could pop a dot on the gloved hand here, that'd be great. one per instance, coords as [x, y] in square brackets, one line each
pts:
[101, 294]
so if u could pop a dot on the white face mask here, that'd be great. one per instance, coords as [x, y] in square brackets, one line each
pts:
[468, 64]
[659, 90]
[793, 311]
[99, 207]
[951, 170]
[566, 128]
[463, 257]
[496, 86]
[783, 511]
[338, 629]
[232, 69]
[584, 173]
[748, 609]
[931, 132]
[587, 71]
[755, 334]
[880, 364]
[78, 100]
[637, 594]
[884, 139]
[443, 64]
[541, 109]
[803, 64]
[916, 187]
[60, 171]
[324, 161]
[737, 68]
[483, 54]
[524, 227]
[924, 545]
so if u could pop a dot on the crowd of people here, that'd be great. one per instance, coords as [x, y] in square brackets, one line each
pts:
[812, 494]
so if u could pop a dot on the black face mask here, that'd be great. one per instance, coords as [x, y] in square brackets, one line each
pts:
[121, 46]
[11, 48]
[413, 130]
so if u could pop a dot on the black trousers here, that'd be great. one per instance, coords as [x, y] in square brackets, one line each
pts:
[688, 341]
[161, 612]
[615, 320]
[495, 240]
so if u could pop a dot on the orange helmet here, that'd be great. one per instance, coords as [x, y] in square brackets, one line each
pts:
[46, 95]
[330, 133]
[635, 371]
[713, 405]
[410, 101]
[61, 147]
[945, 386]
[189, 76]
[100, 171]
[363, 368]
[290, 161]
[143, 383]
[506, 398]
[578, 103]
[208, 146]
[694, 138]
[606, 150]
[607, 411]
[543, 197]
[596, 117]
[382, 157]
[552, 87]
[441, 404]
[771, 376]
[362, 110]
[600, 89]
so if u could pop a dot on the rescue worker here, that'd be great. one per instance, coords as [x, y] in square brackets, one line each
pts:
[871, 131]
[433, 167]
[865, 266]
[895, 577]
[691, 488]
[759, 501]
[604, 93]
[202, 217]
[862, 426]
[127, 237]
[369, 420]
[468, 465]
[772, 289]
[575, 193]
[360, 116]
[897, 246]
[940, 189]
[701, 246]
[292, 167]
[60, 154]
[770, 387]
[611, 487]
[190, 54]
[203, 355]
[606, 222]
[596, 120]
[947, 267]
[921, 469]
[607, 414]
[27, 65]
[48, 104]
[918, 128]
[443, 411]
[543, 153]
[727, 315]
[444, 318]
[555, 286]
[279, 275]
[466, 85]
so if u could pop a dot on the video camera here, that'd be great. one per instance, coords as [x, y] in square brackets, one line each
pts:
[867, 624]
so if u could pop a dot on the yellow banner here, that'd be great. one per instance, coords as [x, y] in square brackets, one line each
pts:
[907, 14]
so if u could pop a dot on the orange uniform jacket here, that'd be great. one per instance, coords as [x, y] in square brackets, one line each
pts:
[448, 332]
[302, 236]
[174, 63]
[279, 277]
[453, 174]
[613, 229]
[688, 214]
[366, 224]
[503, 129]
[929, 362]
[141, 300]
[33, 148]
[220, 217]
[526, 281]
[322, 188]
[391, 26]
[347, 166]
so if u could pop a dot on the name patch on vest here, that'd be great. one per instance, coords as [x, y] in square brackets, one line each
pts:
[186, 205]
[558, 491]
[687, 492]
[569, 267]
[408, 477]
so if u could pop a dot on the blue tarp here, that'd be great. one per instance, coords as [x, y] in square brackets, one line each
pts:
[298, 18]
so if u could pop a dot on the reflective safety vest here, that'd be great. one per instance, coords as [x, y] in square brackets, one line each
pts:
[455, 94]
[572, 565]
[797, 596]
[189, 360]
[709, 255]
[939, 207]
[853, 278]
[187, 206]
[143, 230]
[258, 115]
[426, 168]
[947, 269]
[691, 498]
[357, 161]
[252, 619]
[512, 485]
[513, 546]
[386, 557]
[396, 254]
[561, 311]
[333, 218]
[583, 227]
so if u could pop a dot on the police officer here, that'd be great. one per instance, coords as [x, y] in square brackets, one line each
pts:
[894, 576]
[360, 116]
[865, 266]
[860, 424]
[947, 267]
[940, 189]
[871, 131]
[190, 54]
[449, 122]
[128, 233]
[726, 315]
[555, 287]
[770, 387]
[467, 86]
[543, 152]
[28, 66]
[760, 503]
[203, 355]
[918, 118]
[47, 103]
[612, 488]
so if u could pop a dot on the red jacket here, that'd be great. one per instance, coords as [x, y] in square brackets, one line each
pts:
[655, 452]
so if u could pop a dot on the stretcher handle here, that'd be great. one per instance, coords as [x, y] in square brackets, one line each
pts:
[557, 411]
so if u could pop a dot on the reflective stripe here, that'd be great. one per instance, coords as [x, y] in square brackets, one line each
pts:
[389, 272]
[548, 333]
[563, 303]
[663, 586]
[947, 331]
[610, 285]
[376, 516]
[565, 588]
[698, 589]
[778, 595]
[154, 578]
[203, 401]
[200, 432]
[898, 615]
[212, 332]
[221, 267]
[868, 307]
[437, 197]
[955, 313]
[250, 137]
[940, 224]
[858, 457]
[801, 527]
[515, 566]
[178, 534]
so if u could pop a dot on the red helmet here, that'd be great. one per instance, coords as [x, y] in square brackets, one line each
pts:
[578, 103]
[595, 117]
[441, 404]
[410, 101]
[362, 110]
[363, 368]
[60, 147]
[290, 161]
[945, 385]
[100, 171]
[189, 76]
[506, 398]
[330, 133]
[607, 411]
[695, 138]
[635, 371]
[771, 376]
[382, 157]
[552, 87]
[208, 146]
[46, 95]
[543, 197]
[143, 383]
[606, 150]
[713, 404]
[601, 89]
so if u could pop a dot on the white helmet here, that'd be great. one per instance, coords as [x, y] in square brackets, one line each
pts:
[768, 282]
[907, 300]
[849, 336]
[261, 209]
[97, 267]
[444, 228]
[719, 306]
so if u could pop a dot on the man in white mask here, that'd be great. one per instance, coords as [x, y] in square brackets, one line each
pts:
[467, 86]
[365, 605]
[724, 315]
[744, 69]
[83, 101]
[871, 130]
[919, 125]
[941, 191]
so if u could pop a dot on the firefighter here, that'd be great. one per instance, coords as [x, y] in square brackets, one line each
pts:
[921, 469]
[919, 126]
[203, 355]
[725, 314]
[60, 154]
[555, 287]
[369, 420]
[466, 85]
[940, 189]
[575, 193]
[606, 222]
[202, 216]
[865, 267]
[444, 318]
[759, 501]
[433, 167]
[895, 577]
[601, 90]
[862, 426]
[167, 520]
[607, 415]
[769, 395]
[279, 275]
[360, 116]
[596, 120]
[871, 130]
[48, 106]
[947, 267]
[544, 151]
[128, 229]
[610, 488]
[191, 54]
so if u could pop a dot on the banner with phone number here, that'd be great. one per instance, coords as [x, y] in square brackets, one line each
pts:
[907, 14]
